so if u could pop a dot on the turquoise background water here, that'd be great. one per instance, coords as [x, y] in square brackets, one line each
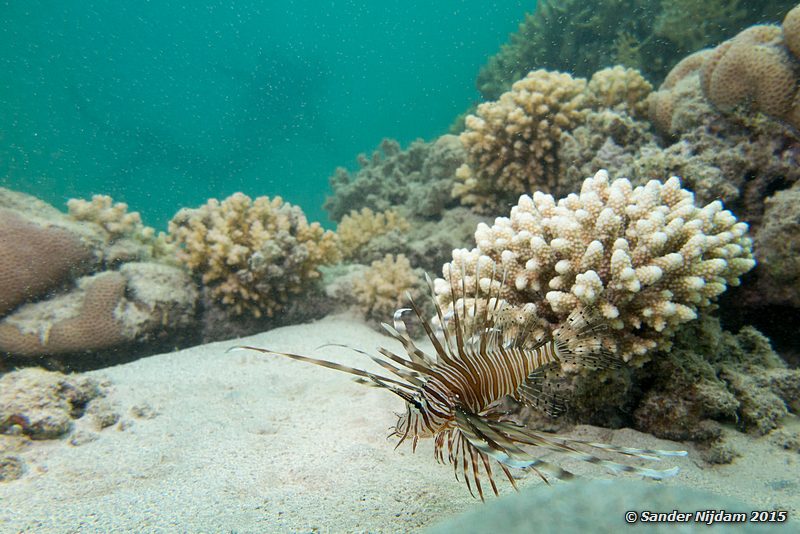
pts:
[165, 103]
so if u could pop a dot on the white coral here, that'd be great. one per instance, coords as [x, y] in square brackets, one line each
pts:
[648, 258]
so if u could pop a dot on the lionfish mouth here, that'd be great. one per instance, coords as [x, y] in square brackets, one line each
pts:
[480, 358]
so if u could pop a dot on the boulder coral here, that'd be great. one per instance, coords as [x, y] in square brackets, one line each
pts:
[647, 258]
[41, 249]
[254, 256]
[758, 70]
[139, 302]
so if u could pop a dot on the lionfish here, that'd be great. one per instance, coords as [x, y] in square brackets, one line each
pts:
[456, 396]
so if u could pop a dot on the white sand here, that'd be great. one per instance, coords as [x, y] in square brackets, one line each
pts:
[256, 443]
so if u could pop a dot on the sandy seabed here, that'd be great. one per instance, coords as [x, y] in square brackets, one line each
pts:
[244, 442]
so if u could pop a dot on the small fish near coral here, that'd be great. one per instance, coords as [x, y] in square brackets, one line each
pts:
[456, 396]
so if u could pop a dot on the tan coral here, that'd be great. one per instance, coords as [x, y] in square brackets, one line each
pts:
[383, 287]
[359, 227]
[511, 143]
[791, 30]
[662, 102]
[619, 86]
[754, 70]
[647, 258]
[253, 255]
[127, 238]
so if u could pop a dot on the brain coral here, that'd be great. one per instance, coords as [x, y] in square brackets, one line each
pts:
[511, 143]
[254, 256]
[647, 258]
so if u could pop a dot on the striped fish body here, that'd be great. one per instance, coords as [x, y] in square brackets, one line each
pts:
[454, 394]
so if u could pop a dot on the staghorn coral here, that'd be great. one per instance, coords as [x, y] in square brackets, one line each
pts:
[647, 258]
[253, 256]
[757, 71]
[140, 302]
[415, 181]
[511, 144]
[358, 228]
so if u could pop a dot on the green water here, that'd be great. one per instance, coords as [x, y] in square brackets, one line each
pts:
[164, 104]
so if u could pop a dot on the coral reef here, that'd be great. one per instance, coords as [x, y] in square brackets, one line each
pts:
[646, 258]
[358, 228]
[513, 144]
[253, 256]
[415, 181]
[72, 284]
[583, 37]
[135, 304]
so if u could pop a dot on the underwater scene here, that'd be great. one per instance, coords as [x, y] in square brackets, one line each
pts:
[400, 267]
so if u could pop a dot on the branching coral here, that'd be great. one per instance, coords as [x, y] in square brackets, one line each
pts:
[619, 87]
[383, 287]
[127, 239]
[511, 144]
[646, 258]
[359, 227]
[417, 180]
[254, 256]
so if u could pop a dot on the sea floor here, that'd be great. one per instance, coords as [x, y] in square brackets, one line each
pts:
[243, 442]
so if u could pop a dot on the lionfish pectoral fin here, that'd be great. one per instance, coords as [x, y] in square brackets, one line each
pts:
[532, 392]
[580, 341]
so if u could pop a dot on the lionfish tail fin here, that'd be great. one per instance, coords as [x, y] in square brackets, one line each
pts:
[580, 340]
